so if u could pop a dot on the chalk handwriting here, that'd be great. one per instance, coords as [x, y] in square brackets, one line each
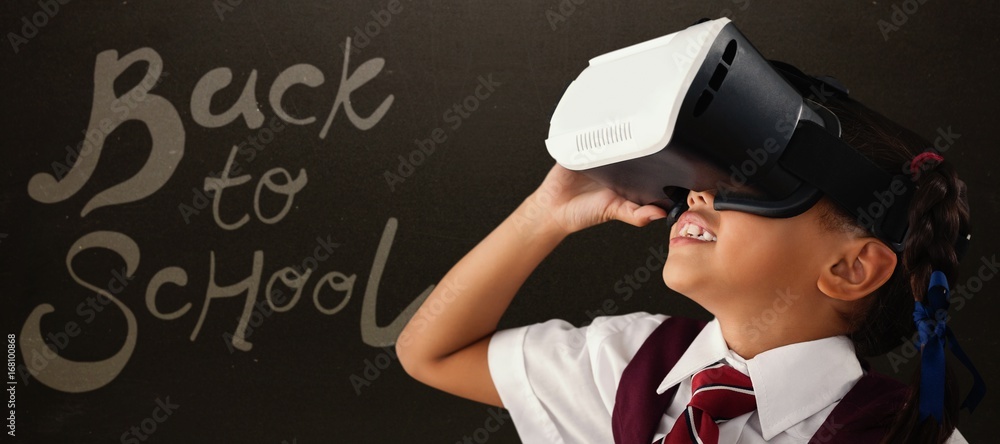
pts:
[160, 118]
[167, 133]
[166, 129]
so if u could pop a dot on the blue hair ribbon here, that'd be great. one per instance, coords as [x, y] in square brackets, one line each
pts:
[934, 335]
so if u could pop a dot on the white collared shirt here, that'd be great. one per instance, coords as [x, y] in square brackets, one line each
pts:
[559, 382]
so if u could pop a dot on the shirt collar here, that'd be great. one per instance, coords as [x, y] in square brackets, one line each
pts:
[707, 347]
[791, 383]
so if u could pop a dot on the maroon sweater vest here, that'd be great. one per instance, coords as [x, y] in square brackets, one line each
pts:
[862, 416]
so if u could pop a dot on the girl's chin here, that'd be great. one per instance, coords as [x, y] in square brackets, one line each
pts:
[678, 281]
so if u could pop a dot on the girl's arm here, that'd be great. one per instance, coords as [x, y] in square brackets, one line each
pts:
[445, 344]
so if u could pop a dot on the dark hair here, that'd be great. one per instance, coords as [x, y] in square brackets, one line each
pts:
[938, 212]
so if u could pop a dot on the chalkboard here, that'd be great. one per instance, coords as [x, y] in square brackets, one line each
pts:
[219, 214]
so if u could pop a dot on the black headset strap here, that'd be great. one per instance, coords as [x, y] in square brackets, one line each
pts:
[878, 200]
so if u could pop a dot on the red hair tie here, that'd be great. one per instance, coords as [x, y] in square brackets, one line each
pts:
[917, 163]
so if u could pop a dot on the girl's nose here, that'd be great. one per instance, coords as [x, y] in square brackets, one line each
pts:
[700, 198]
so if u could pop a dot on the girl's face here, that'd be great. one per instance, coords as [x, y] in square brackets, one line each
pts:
[726, 260]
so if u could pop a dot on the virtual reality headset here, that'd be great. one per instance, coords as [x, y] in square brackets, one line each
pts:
[701, 109]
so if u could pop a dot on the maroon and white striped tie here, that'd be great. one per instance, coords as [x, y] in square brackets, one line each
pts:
[718, 394]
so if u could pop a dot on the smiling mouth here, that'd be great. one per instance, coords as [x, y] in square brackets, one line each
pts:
[694, 231]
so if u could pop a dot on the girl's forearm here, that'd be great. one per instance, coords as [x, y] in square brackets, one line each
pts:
[467, 304]
[446, 344]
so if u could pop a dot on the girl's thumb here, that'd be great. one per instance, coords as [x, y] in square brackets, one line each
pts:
[639, 216]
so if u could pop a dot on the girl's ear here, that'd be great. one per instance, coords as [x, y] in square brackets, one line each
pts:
[861, 268]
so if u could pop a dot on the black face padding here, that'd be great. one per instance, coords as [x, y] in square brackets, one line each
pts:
[779, 149]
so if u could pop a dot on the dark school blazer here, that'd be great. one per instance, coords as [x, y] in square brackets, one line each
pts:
[862, 416]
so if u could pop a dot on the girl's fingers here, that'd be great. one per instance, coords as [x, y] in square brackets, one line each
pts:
[634, 214]
[580, 202]
[654, 212]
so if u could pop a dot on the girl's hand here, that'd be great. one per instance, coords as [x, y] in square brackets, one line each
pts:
[574, 201]
[446, 342]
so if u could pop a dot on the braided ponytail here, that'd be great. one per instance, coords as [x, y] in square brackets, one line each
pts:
[938, 212]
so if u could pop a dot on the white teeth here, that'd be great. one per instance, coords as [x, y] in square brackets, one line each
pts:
[694, 231]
